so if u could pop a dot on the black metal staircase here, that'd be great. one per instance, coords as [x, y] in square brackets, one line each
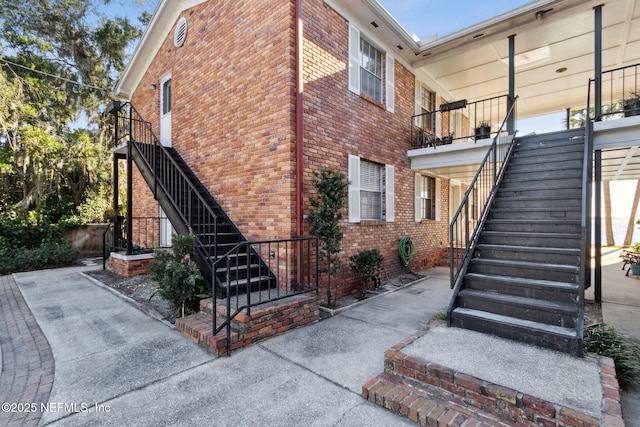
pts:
[191, 209]
[522, 279]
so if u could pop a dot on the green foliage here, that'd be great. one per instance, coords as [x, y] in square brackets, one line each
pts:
[176, 273]
[26, 247]
[60, 60]
[605, 341]
[365, 265]
[324, 220]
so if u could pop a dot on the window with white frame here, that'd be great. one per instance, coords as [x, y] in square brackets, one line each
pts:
[371, 70]
[371, 190]
[427, 198]
[427, 105]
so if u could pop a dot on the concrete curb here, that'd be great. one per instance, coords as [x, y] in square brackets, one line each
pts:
[334, 312]
[146, 310]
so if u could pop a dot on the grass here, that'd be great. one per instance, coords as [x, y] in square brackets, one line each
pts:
[604, 340]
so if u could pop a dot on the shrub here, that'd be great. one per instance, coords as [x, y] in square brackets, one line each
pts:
[324, 219]
[605, 341]
[176, 273]
[48, 254]
[366, 266]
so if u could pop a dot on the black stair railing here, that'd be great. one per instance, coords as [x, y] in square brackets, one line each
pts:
[292, 263]
[464, 227]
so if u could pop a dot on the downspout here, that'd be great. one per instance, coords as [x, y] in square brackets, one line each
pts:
[299, 121]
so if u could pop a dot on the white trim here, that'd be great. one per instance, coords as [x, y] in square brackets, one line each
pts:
[165, 16]
[390, 193]
[437, 197]
[354, 59]
[390, 93]
[417, 202]
[354, 188]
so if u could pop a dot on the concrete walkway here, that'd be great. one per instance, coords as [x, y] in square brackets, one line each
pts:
[115, 365]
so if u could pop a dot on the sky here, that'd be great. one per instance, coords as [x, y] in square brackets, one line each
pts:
[425, 18]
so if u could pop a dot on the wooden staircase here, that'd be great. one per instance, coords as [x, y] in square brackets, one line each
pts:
[523, 281]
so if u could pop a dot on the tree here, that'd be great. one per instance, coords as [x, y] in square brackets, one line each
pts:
[324, 220]
[607, 214]
[60, 59]
[632, 216]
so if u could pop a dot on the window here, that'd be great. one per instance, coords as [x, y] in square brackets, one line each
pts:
[427, 198]
[371, 191]
[427, 105]
[371, 70]
[166, 97]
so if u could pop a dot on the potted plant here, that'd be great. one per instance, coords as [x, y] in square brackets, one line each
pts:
[634, 259]
[483, 130]
[631, 105]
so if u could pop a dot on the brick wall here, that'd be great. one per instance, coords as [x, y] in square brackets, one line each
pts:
[233, 120]
[338, 123]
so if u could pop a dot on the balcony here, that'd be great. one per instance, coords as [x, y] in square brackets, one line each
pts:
[459, 122]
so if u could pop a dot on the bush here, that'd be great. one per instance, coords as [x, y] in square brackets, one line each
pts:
[605, 341]
[366, 265]
[48, 254]
[177, 275]
[26, 246]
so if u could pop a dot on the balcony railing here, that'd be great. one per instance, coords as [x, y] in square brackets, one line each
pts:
[620, 94]
[459, 121]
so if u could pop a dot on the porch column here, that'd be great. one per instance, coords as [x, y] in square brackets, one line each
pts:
[598, 226]
[129, 196]
[597, 53]
[511, 122]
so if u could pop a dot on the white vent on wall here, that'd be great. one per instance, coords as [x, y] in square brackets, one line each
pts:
[181, 32]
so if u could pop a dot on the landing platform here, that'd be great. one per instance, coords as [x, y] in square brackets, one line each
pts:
[449, 375]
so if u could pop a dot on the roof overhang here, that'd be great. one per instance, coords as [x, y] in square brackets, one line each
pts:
[164, 17]
[554, 50]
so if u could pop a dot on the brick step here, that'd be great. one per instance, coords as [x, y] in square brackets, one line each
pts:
[265, 321]
[421, 406]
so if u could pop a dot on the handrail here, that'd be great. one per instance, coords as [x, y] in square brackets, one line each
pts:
[140, 135]
[459, 122]
[487, 178]
[621, 94]
[303, 280]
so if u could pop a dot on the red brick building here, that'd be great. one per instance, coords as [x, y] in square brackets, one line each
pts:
[232, 82]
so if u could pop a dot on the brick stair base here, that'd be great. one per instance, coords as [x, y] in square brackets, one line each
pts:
[263, 323]
[434, 395]
[421, 406]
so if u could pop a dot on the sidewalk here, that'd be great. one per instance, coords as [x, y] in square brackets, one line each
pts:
[114, 365]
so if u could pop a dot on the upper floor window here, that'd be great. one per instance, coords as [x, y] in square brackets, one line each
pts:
[371, 70]
[166, 96]
[427, 105]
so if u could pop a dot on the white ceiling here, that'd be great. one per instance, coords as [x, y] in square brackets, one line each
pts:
[473, 67]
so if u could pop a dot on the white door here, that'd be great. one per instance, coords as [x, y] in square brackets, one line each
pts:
[165, 111]
[165, 230]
